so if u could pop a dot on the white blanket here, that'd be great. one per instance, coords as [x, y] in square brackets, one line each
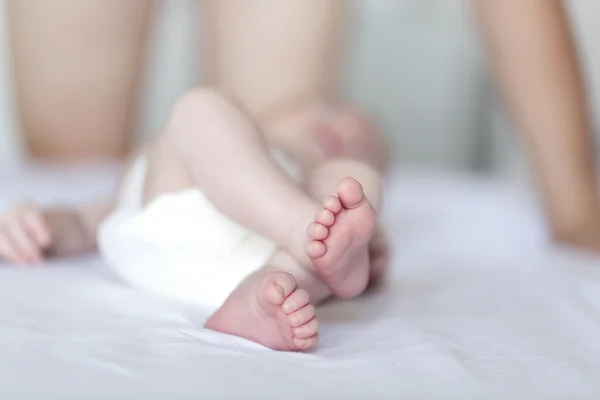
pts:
[477, 306]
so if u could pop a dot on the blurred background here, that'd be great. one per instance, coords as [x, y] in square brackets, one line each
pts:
[415, 64]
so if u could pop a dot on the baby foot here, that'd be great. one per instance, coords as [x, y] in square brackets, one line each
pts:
[268, 308]
[340, 237]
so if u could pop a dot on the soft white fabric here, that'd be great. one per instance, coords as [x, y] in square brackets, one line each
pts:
[477, 306]
[179, 245]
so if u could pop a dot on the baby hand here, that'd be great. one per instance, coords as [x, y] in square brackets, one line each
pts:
[24, 234]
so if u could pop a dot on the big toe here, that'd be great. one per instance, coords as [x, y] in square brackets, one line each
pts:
[350, 192]
[277, 286]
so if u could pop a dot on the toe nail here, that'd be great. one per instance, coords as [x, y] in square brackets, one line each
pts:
[280, 290]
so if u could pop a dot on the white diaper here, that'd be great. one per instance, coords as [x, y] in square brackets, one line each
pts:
[180, 245]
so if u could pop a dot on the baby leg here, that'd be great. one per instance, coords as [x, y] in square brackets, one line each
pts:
[273, 306]
[347, 249]
[211, 144]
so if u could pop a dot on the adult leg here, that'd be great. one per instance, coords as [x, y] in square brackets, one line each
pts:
[549, 108]
[77, 67]
[279, 59]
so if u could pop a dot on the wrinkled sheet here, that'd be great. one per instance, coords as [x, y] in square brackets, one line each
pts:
[477, 304]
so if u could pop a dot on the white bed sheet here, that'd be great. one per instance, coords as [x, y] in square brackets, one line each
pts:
[477, 306]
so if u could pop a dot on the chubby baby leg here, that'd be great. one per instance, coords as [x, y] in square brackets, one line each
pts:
[274, 306]
[210, 143]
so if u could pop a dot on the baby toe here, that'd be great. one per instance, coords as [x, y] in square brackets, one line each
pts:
[295, 301]
[307, 330]
[306, 344]
[317, 231]
[325, 218]
[315, 249]
[333, 204]
[350, 192]
[301, 316]
[279, 285]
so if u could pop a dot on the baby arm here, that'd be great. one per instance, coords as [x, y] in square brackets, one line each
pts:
[534, 57]
[28, 233]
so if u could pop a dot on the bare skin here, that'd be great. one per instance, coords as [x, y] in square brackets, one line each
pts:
[89, 56]
[274, 57]
[342, 259]
[548, 105]
[85, 56]
[273, 305]
[29, 234]
[269, 308]
[294, 102]
[349, 278]
[549, 108]
[279, 306]
[194, 124]
[289, 82]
